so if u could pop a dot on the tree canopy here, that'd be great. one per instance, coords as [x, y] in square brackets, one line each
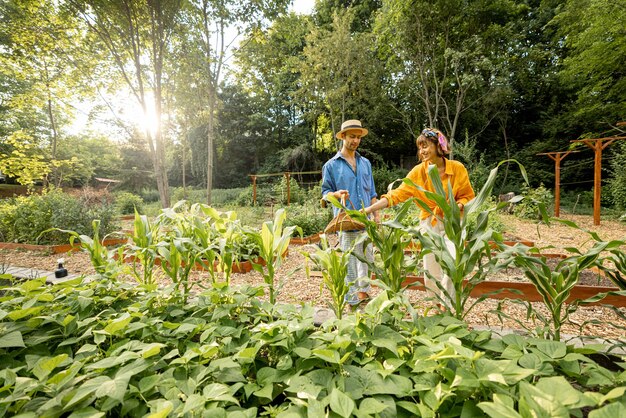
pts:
[243, 88]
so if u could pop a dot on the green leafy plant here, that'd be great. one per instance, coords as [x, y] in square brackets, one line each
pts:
[469, 235]
[273, 241]
[334, 267]
[25, 218]
[529, 206]
[390, 239]
[143, 249]
[126, 203]
[311, 220]
[555, 284]
[108, 348]
[103, 260]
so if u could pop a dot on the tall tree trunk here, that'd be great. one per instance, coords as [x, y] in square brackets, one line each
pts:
[53, 127]
[210, 140]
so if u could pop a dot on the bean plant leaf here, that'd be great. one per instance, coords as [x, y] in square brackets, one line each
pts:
[87, 413]
[12, 339]
[341, 403]
[612, 410]
[45, 365]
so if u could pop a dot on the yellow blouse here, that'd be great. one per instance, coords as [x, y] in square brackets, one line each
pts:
[455, 173]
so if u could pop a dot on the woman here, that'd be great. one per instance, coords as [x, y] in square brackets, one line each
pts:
[432, 147]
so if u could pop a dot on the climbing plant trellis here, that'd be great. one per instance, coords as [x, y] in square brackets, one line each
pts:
[596, 144]
[287, 175]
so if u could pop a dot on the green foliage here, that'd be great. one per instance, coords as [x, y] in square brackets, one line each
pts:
[264, 195]
[555, 284]
[126, 203]
[528, 207]
[189, 194]
[149, 195]
[334, 267]
[25, 218]
[296, 193]
[390, 239]
[495, 221]
[104, 261]
[219, 197]
[109, 348]
[385, 176]
[473, 257]
[310, 218]
[595, 42]
[617, 184]
[474, 161]
[273, 242]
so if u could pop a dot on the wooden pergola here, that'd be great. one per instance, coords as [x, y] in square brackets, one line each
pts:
[557, 157]
[598, 145]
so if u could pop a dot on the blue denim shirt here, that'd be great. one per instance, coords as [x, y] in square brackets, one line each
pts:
[337, 174]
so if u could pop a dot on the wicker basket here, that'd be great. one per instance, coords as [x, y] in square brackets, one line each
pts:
[343, 222]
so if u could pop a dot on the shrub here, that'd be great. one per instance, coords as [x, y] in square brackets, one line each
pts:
[617, 184]
[224, 197]
[384, 176]
[309, 218]
[24, 218]
[528, 207]
[264, 194]
[189, 194]
[126, 203]
[296, 193]
[150, 195]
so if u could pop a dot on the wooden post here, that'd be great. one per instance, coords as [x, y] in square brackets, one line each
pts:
[253, 190]
[287, 175]
[597, 145]
[557, 157]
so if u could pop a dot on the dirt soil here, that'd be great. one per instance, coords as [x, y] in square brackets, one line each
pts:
[298, 288]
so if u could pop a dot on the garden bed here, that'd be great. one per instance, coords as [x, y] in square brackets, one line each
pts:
[498, 289]
[310, 239]
[58, 248]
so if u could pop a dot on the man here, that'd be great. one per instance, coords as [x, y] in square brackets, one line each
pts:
[348, 176]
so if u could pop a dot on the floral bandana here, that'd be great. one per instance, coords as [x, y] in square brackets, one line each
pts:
[441, 139]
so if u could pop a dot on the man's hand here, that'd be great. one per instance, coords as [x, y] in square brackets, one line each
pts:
[341, 195]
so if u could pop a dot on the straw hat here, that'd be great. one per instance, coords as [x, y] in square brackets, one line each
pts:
[351, 124]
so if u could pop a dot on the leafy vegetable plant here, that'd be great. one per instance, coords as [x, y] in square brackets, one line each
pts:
[334, 267]
[273, 241]
[469, 235]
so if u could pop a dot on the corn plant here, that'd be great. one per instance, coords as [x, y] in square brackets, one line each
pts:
[390, 239]
[227, 234]
[178, 257]
[200, 229]
[273, 241]
[613, 265]
[102, 259]
[472, 260]
[334, 267]
[143, 249]
[555, 285]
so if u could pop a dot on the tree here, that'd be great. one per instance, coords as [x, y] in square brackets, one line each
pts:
[594, 34]
[341, 76]
[40, 44]
[444, 57]
[204, 25]
[136, 36]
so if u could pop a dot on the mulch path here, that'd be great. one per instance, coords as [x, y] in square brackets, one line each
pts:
[299, 288]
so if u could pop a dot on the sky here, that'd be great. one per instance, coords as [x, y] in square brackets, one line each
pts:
[302, 6]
